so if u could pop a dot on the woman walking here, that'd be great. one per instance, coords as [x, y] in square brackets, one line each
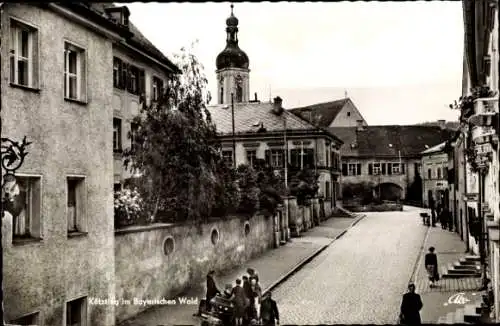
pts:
[431, 265]
[410, 307]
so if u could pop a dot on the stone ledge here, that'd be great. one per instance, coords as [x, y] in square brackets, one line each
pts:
[144, 228]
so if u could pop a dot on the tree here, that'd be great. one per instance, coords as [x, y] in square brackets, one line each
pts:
[175, 147]
[304, 185]
[249, 190]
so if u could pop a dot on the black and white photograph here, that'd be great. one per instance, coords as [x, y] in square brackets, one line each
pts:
[250, 163]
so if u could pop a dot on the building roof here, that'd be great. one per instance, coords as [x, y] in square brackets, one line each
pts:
[390, 140]
[435, 149]
[138, 39]
[248, 117]
[325, 113]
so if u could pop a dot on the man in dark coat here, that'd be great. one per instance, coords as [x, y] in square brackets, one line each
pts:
[410, 307]
[212, 290]
[431, 265]
[432, 206]
[269, 311]
[240, 302]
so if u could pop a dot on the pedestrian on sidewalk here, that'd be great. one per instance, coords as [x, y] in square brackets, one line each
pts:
[443, 219]
[212, 289]
[240, 302]
[431, 265]
[252, 273]
[269, 311]
[432, 205]
[410, 307]
[256, 297]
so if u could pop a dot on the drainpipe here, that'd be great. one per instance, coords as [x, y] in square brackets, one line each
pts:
[466, 213]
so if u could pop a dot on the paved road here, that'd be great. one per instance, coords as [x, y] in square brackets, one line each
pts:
[361, 278]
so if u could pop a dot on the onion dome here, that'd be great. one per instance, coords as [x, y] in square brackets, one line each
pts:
[232, 56]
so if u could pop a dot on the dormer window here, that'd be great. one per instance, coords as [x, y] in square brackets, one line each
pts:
[119, 15]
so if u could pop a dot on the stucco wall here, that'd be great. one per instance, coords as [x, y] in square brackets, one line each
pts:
[403, 180]
[144, 271]
[68, 138]
[343, 120]
[126, 105]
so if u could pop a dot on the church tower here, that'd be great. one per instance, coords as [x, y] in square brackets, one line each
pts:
[232, 67]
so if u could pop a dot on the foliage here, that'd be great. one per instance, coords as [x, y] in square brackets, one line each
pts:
[128, 206]
[466, 103]
[271, 187]
[175, 147]
[249, 190]
[304, 185]
[227, 192]
[359, 190]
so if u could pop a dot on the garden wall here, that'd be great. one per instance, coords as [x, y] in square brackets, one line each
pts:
[164, 260]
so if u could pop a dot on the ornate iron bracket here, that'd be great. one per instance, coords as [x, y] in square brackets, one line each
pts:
[12, 158]
[13, 154]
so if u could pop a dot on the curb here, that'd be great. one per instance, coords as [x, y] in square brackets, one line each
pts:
[306, 260]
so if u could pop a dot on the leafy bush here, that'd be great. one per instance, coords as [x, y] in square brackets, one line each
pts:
[129, 208]
[304, 185]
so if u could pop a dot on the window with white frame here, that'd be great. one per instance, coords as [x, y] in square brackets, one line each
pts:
[76, 312]
[76, 204]
[277, 158]
[23, 54]
[74, 72]
[377, 169]
[354, 169]
[227, 157]
[31, 319]
[251, 157]
[396, 169]
[157, 88]
[26, 191]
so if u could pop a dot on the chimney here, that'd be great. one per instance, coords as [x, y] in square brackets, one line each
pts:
[277, 105]
[359, 125]
[256, 100]
[442, 124]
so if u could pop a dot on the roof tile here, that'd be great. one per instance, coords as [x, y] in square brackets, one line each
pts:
[325, 113]
[249, 116]
[390, 140]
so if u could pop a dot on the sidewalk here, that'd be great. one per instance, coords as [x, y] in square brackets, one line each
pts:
[274, 266]
[437, 302]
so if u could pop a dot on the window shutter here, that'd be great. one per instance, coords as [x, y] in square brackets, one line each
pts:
[35, 59]
[268, 157]
[358, 169]
[36, 226]
[142, 83]
[283, 161]
[83, 75]
[389, 168]
[370, 168]
[344, 169]
[294, 158]
[123, 79]
[383, 168]
[402, 168]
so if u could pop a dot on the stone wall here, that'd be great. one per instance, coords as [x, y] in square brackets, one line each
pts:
[146, 270]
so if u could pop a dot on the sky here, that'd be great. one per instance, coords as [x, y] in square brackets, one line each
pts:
[400, 63]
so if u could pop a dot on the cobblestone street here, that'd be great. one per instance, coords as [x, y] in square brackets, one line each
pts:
[360, 278]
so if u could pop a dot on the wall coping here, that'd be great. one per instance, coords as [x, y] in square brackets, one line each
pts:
[144, 228]
[159, 225]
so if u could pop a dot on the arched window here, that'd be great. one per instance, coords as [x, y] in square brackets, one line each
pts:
[239, 89]
[221, 97]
